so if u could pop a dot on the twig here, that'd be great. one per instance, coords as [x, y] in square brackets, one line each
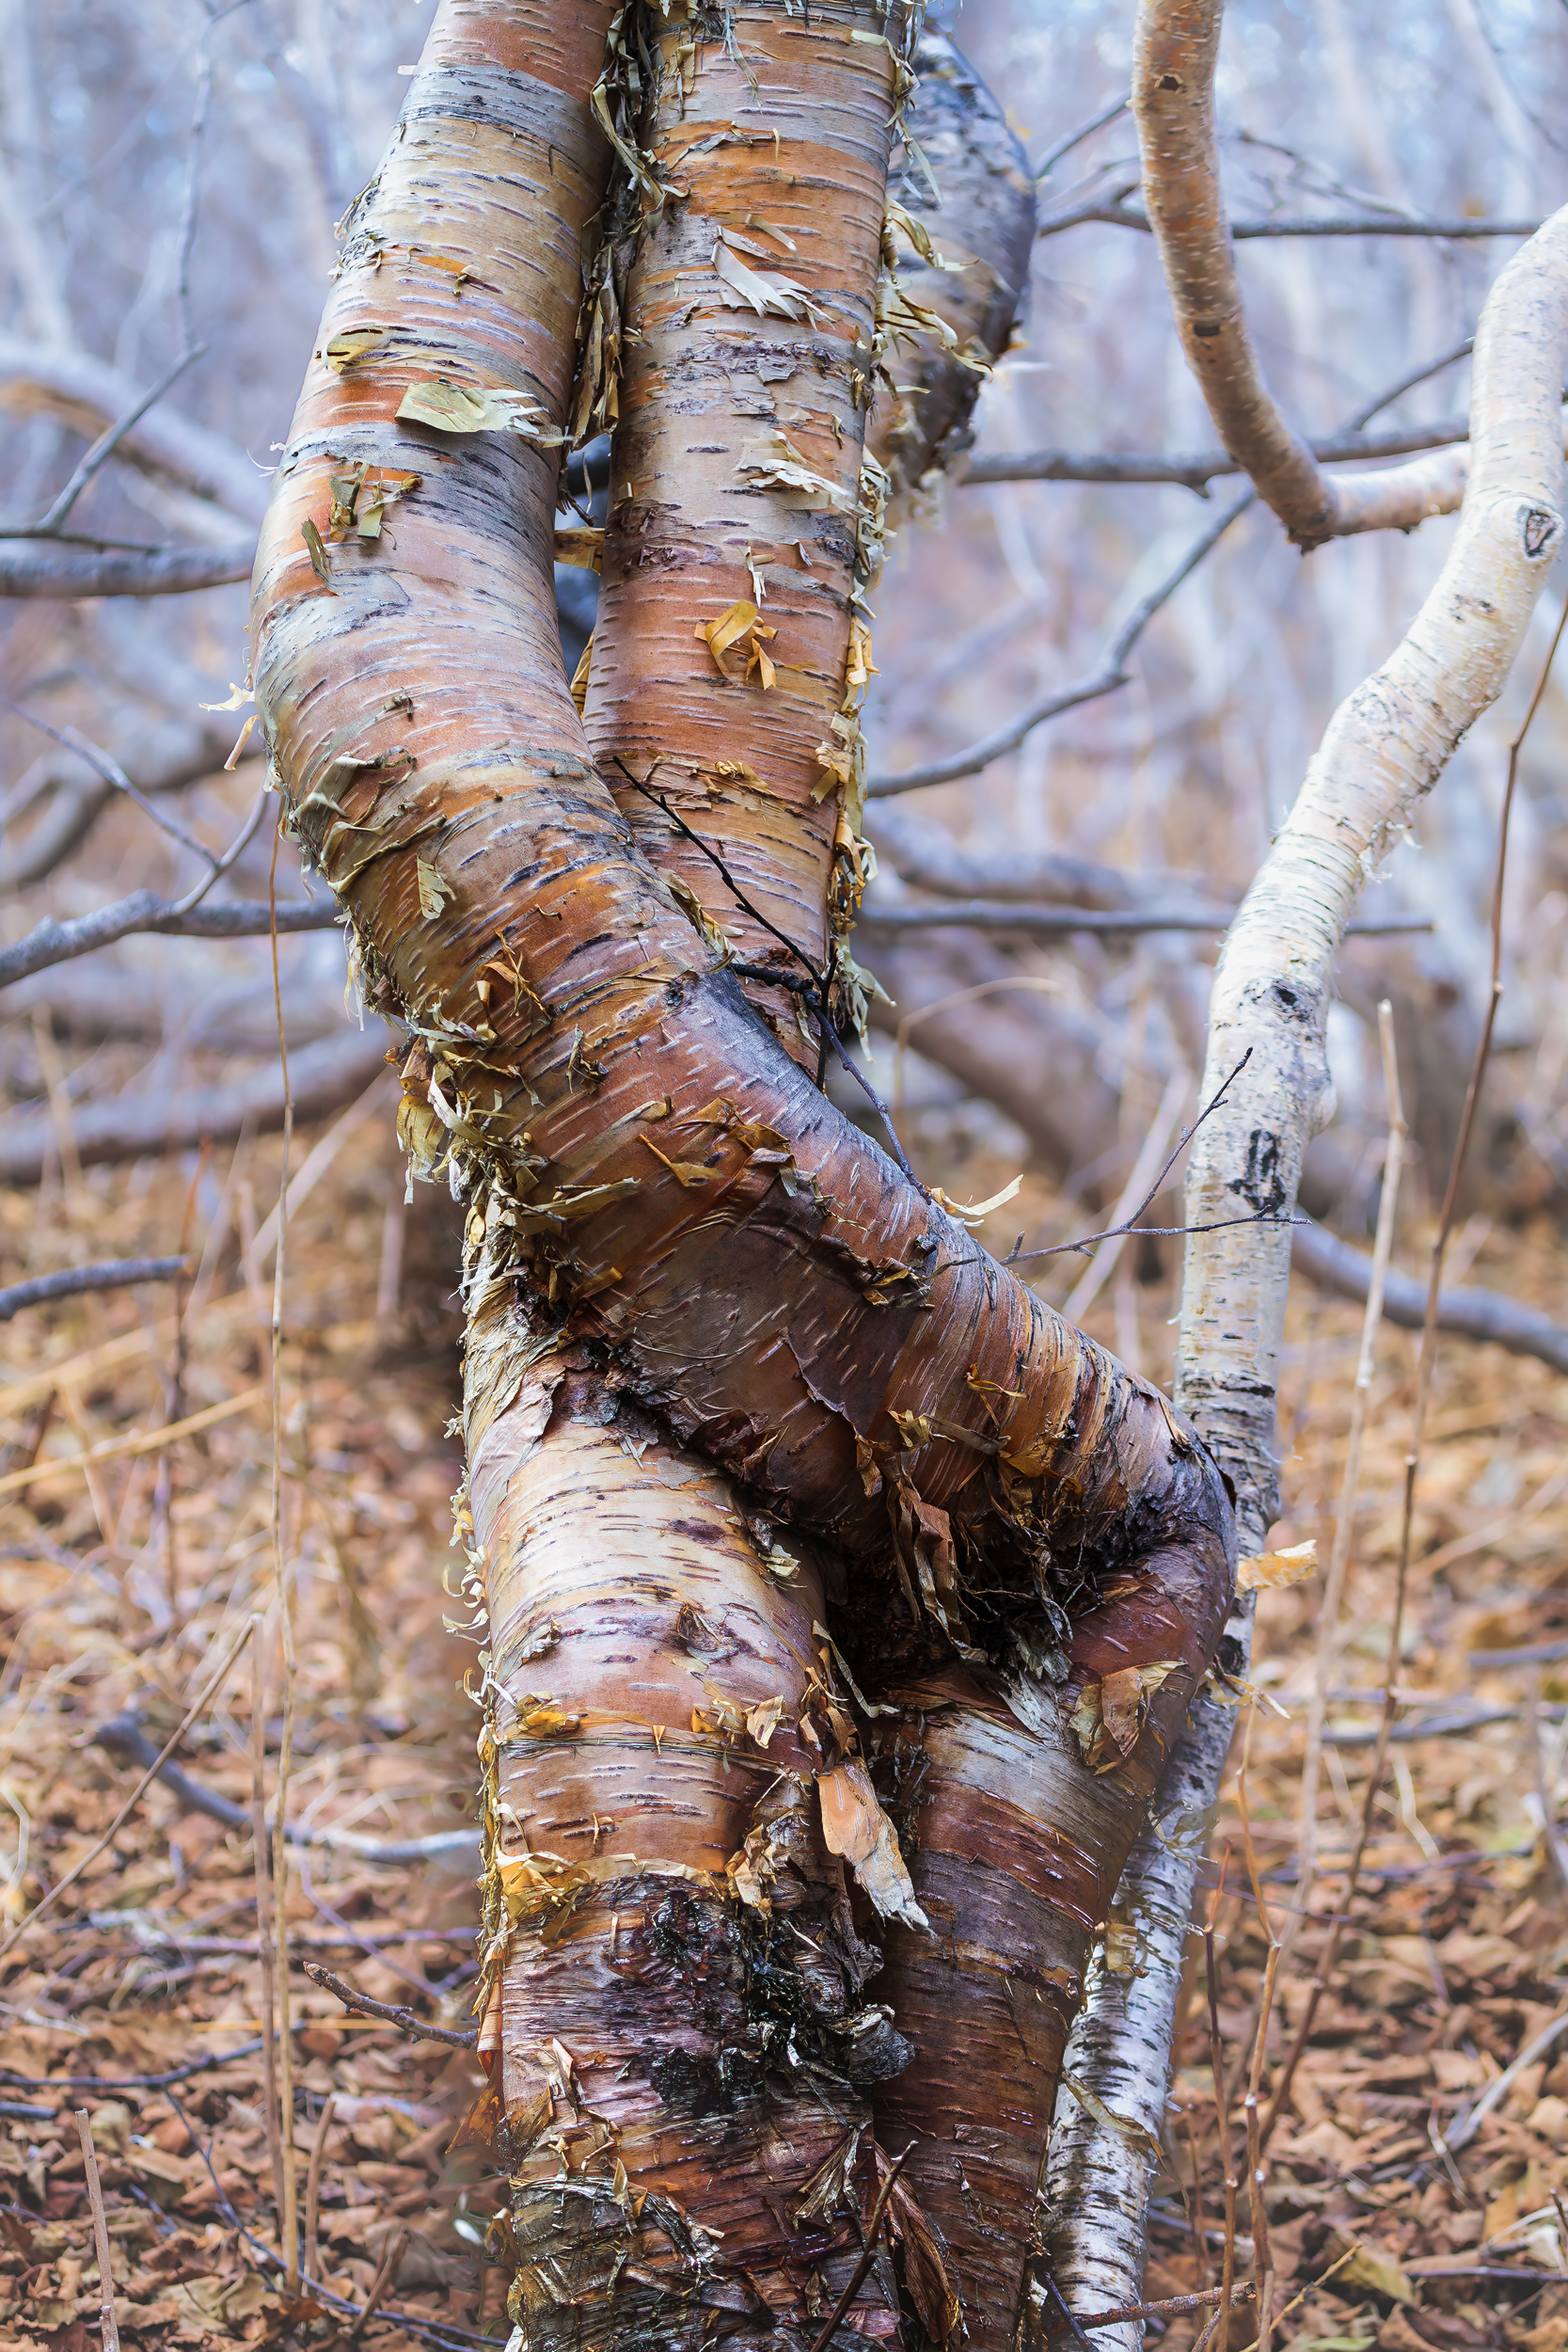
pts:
[407, 2021]
[1221, 2125]
[48, 525]
[1129, 1225]
[1334, 1587]
[1112, 672]
[312, 2190]
[288, 2216]
[1120, 215]
[1136, 1187]
[384, 2270]
[107, 2318]
[1257, 2173]
[867, 2252]
[259, 1862]
[212, 1683]
[1168, 2307]
[129, 2082]
[124, 1737]
[139, 1441]
[1469, 2120]
[815, 995]
[112, 772]
[1546, 1791]
[1471, 1314]
[111, 1274]
[51, 942]
[1053, 155]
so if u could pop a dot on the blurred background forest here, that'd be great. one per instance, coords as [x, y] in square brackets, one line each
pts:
[170, 181]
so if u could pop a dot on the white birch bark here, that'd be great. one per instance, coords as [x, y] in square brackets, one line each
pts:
[1384, 751]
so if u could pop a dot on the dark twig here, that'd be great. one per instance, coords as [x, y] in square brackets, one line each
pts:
[1131, 1225]
[857, 2276]
[130, 2082]
[1112, 672]
[1169, 2307]
[407, 2021]
[385, 2272]
[112, 1275]
[99, 454]
[1074, 2325]
[112, 772]
[815, 995]
[1118, 214]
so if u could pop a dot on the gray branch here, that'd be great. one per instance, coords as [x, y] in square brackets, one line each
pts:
[112, 1275]
[42, 569]
[977, 914]
[1470, 1314]
[53, 942]
[1195, 473]
[1119, 214]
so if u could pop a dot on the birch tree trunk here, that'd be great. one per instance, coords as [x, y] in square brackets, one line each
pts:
[1384, 751]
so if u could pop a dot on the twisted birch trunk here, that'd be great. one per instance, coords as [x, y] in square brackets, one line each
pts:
[670, 1231]
[1383, 750]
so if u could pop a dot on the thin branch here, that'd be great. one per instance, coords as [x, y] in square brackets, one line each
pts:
[52, 941]
[1112, 672]
[60, 571]
[980, 915]
[112, 772]
[99, 454]
[1197, 471]
[1053, 155]
[857, 2276]
[1168, 2307]
[107, 2318]
[113, 1274]
[407, 2021]
[1118, 214]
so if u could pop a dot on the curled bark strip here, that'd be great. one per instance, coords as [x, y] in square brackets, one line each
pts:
[1471, 1314]
[1173, 101]
[325, 1076]
[666, 1217]
[1383, 750]
[975, 281]
[59, 568]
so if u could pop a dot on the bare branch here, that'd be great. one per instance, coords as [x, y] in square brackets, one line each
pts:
[1118, 214]
[1111, 673]
[1053, 155]
[112, 1275]
[143, 1124]
[53, 942]
[978, 914]
[49, 525]
[928, 856]
[1176, 48]
[88, 395]
[1470, 1314]
[407, 2021]
[72, 739]
[60, 568]
[1197, 471]
[168, 757]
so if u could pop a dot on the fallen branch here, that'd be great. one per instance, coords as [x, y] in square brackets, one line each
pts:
[407, 2021]
[124, 1739]
[112, 1275]
[325, 1076]
[1173, 98]
[1471, 1314]
[51, 942]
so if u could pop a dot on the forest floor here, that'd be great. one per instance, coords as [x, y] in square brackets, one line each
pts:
[136, 1994]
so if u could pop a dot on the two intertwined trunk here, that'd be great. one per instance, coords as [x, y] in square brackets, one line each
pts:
[701, 1304]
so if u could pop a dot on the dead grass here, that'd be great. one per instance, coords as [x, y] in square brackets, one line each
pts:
[116, 1598]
